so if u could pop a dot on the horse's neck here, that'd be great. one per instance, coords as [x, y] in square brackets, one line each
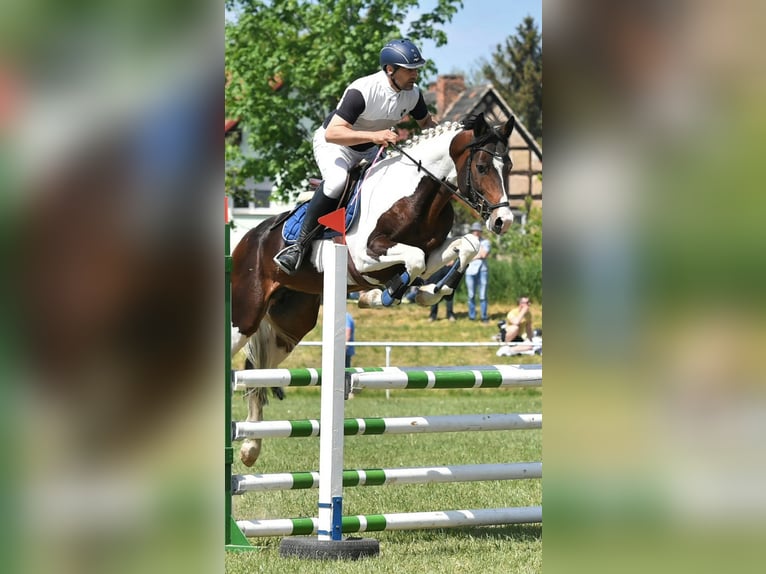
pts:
[430, 150]
[399, 174]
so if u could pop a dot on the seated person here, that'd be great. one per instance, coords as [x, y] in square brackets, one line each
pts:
[517, 326]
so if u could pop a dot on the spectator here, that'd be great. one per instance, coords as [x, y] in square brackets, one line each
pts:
[350, 349]
[517, 326]
[477, 275]
[435, 278]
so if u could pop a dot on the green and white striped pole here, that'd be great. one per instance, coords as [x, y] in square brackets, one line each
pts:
[486, 376]
[402, 521]
[390, 425]
[386, 476]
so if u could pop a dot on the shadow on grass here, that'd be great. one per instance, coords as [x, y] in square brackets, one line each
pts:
[515, 532]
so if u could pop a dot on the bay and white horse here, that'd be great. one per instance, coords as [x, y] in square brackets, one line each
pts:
[400, 234]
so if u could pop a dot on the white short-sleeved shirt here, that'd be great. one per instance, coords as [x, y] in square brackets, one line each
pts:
[370, 104]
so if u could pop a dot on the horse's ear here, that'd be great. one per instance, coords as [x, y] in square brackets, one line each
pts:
[508, 127]
[480, 125]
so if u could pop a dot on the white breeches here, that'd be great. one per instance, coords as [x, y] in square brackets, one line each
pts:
[335, 160]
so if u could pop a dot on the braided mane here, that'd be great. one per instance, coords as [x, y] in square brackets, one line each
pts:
[426, 136]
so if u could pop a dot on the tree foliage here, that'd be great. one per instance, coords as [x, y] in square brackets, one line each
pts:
[527, 241]
[516, 71]
[517, 259]
[287, 64]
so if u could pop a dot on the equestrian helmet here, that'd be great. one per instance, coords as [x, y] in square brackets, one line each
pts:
[401, 53]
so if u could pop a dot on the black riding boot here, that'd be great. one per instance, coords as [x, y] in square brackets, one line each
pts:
[290, 258]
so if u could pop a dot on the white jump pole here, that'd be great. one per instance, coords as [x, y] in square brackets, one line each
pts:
[332, 394]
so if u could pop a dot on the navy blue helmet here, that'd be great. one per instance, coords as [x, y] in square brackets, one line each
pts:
[401, 53]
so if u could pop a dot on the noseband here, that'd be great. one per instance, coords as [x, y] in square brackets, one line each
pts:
[470, 196]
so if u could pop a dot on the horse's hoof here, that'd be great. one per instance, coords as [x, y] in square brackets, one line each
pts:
[427, 295]
[249, 452]
[370, 299]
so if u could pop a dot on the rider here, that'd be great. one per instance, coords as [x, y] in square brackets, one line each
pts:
[361, 123]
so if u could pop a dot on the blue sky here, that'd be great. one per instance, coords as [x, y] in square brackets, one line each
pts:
[476, 29]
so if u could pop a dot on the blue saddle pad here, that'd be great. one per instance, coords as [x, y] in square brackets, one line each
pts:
[292, 225]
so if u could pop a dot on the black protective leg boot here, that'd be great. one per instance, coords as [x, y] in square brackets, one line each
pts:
[290, 258]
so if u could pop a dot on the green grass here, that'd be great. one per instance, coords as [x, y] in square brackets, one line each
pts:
[488, 549]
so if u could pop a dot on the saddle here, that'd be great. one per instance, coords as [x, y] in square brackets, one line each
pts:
[349, 199]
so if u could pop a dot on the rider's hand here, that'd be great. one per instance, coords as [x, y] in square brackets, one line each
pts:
[385, 137]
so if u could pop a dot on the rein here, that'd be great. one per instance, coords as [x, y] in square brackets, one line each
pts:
[472, 199]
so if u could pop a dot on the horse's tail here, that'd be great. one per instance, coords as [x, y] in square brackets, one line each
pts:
[266, 350]
[276, 391]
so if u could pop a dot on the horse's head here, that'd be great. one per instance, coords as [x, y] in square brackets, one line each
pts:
[483, 163]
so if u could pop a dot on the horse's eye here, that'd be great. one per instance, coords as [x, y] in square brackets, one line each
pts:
[482, 167]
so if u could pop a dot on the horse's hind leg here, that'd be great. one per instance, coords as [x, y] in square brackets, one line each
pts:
[290, 316]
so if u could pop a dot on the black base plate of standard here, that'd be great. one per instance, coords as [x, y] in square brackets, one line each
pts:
[312, 547]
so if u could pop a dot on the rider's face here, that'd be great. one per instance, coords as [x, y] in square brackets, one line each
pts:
[405, 78]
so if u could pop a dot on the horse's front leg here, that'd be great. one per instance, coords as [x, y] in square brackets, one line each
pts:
[463, 249]
[414, 261]
[413, 258]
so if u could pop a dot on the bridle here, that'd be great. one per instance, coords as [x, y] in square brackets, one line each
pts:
[474, 198]
[471, 197]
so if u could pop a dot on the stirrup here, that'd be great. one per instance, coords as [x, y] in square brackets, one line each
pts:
[296, 250]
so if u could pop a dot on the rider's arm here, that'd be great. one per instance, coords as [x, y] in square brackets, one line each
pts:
[421, 114]
[427, 122]
[340, 132]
